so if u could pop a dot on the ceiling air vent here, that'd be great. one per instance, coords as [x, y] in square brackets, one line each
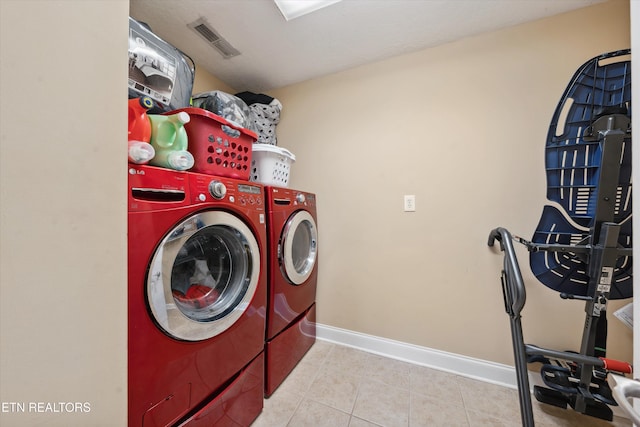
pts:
[202, 27]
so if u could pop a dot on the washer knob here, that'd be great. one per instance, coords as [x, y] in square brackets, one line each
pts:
[300, 198]
[217, 189]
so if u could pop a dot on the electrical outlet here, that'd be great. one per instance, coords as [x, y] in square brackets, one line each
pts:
[409, 203]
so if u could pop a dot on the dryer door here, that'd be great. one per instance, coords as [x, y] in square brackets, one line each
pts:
[299, 247]
[203, 276]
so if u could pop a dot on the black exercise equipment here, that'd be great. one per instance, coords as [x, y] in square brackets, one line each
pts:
[582, 246]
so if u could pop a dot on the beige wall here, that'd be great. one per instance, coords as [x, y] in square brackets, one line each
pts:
[205, 82]
[63, 262]
[463, 127]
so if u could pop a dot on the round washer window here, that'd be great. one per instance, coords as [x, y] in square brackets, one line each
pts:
[203, 276]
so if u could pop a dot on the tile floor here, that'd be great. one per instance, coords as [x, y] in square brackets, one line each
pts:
[338, 386]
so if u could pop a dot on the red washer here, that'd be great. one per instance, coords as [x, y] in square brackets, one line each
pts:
[196, 299]
[293, 275]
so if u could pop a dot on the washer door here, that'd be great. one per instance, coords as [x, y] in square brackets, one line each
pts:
[299, 247]
[203, 276]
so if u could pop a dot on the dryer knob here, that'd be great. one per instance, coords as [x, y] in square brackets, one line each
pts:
[300, 198]
[217, 189]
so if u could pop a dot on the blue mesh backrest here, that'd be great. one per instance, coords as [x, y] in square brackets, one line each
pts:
[572, 164]
[601, 86]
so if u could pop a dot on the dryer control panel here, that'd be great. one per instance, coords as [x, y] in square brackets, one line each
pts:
[283, 197]
[306, 199]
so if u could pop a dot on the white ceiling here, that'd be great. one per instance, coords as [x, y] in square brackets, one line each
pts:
[276, 52]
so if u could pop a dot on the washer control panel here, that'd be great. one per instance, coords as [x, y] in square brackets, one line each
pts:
[249, 195]
[207, 188]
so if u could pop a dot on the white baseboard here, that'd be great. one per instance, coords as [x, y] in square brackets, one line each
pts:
[478, 369]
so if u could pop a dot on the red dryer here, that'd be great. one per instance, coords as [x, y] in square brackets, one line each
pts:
[293, 273]
[196, 299]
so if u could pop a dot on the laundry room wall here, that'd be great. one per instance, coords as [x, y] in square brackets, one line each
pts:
[463, 128]
[205, 82]
[63, 213]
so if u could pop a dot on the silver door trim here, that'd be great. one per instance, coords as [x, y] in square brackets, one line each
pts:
[159, 293]
[297, 278]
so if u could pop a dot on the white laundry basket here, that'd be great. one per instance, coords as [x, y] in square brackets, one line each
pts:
[271, 165]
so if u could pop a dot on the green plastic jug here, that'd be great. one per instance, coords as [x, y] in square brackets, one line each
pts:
[170, 141]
